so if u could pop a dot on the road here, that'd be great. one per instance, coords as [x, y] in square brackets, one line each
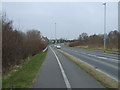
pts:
[57, 71]
[105, 62]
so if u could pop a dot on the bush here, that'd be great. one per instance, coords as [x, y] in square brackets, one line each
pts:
[17, 46]
[97, 41]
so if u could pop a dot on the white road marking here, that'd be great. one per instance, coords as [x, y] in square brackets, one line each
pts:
[62, 70]
[105, 58]
[110, 65]
[97, 69]
[116, 67]
[109, 59]
[116, 79]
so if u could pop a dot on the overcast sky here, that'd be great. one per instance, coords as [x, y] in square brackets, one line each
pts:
[72, 18]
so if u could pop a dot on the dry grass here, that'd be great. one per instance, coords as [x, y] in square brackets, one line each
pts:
[99, 76]
[24, 75]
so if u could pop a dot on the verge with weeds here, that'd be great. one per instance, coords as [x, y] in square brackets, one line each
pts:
[25, 74]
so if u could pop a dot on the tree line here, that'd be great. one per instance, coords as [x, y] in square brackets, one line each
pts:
[17, 45]
[97, 41]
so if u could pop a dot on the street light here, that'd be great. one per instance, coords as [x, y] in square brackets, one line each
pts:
[104, 26]
[55, 33]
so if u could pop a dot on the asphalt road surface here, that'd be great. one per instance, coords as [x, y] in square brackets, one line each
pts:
[105, 62]
[59, 72]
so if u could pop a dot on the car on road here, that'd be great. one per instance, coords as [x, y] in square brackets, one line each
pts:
[58, 47]
[55, 45]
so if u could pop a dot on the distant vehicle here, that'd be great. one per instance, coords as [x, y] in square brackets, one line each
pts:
[58, 47]
[55, 45]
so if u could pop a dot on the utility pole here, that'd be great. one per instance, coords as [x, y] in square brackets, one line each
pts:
[55, 34]
[104, 26]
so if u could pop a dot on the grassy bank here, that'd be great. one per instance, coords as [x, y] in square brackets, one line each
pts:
[105, 80]
[24, 75]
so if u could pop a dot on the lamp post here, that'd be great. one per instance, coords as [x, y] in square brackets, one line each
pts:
[104, 26]
[55, 33]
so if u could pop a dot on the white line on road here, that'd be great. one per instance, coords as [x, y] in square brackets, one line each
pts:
[104, 63]
[97, 68]
[116, 79]
[105, 58]
[62, 70]
[109, 59]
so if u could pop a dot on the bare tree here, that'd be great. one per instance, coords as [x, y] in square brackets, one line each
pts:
[17, 46]
[93, 41]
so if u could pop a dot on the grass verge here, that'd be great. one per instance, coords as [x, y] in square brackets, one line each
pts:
[99, 76]
[24, 76]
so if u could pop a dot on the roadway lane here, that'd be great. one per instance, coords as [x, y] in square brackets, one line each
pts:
[58, 71]
[108, 63]
[98, 53]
